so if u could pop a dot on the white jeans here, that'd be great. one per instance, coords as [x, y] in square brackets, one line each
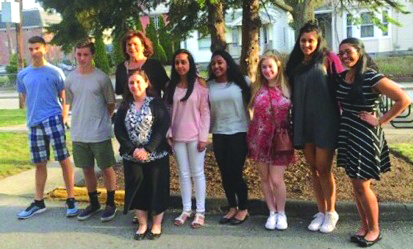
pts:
[191, 164]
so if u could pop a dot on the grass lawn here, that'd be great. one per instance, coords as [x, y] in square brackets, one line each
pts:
[406, 150]
[399, 66]
[12, 117]
[14, 153]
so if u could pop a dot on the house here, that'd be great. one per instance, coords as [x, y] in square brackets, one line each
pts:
[339, 24]
[35, 22]
[275, 33]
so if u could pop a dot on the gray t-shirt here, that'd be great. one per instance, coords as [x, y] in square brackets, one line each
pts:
[228, 110]
[89, 96]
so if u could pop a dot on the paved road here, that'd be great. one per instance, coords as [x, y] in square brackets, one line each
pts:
[52, 230]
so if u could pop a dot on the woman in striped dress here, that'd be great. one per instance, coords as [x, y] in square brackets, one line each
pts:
[362, 148]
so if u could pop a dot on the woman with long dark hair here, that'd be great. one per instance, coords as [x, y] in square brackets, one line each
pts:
[315, 117]
[362, 148]
[229, 95]
[140, 128]
[137, 50]
[187, 96]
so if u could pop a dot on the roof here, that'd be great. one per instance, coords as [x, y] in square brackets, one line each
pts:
[267, 15]
[36, 18]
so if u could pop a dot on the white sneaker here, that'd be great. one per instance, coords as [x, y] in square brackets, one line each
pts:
[281, 221]
[316, 222]
[330, 221]
[271, 221]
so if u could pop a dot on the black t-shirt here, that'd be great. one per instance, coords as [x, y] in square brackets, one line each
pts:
[153, 68]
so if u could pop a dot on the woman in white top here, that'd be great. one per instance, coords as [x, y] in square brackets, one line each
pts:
[229, 94]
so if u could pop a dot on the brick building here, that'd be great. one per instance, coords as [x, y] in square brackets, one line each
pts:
[35, 22]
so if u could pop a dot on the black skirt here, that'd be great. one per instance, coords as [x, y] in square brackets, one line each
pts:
[147, 185]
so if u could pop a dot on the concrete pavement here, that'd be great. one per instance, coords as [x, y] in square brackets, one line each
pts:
[52, 230]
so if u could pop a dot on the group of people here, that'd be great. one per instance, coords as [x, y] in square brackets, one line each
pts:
[314, 105]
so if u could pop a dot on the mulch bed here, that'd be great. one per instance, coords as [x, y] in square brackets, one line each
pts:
[395, 186]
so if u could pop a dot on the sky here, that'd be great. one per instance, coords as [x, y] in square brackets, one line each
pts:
[28, 4]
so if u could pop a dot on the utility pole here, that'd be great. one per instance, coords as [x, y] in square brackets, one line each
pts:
[19, 41]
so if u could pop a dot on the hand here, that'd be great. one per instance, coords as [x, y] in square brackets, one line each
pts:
[369, 118]
[201, 146]
[169, 140]
[140, 154]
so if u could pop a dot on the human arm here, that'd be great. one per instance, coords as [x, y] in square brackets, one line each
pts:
[65, 107]
[393, 91]
[121, 133]
[205, 116]
[160, 125]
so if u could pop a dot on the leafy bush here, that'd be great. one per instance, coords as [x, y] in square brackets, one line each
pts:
[101, 59]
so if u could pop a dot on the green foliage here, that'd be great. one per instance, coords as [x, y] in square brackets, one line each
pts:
[405, 149]
[165, 39]
[101, 58]
[117, 52]
[12, 67]
[80, 18]
[158, 51]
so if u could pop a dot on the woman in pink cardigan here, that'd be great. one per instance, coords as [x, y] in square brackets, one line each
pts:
[187, 97]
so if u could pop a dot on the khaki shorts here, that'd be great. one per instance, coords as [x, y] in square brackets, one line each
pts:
[84, 154]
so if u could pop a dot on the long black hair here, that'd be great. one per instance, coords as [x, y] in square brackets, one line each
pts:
[297, 56]
[191, 77]
[233, 73]
[363, 64]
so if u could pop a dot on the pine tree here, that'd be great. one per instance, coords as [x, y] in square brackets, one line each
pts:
[118, 56]
[101, 59]
[158, 51]
[165, 39]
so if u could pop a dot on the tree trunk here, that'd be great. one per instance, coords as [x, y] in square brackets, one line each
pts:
[250, 46]
[216, 25]
[303, 12]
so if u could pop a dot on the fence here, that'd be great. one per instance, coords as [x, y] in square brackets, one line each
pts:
[404, 120]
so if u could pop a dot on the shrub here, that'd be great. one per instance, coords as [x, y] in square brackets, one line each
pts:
[101, 59]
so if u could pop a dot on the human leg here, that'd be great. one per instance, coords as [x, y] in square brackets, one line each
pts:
[220, 147]
[142, 216]
[181, 155]
[263, 170]
[197, 163]
[236, 159]
[324, 158]
[368, 201]
[277, 178]
[310, 156]
[182, 158]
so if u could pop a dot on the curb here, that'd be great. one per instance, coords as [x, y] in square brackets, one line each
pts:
[294, 208]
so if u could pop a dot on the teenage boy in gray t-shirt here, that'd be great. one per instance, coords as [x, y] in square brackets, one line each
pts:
[90, 93]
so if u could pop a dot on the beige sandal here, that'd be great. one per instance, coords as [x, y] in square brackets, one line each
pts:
[181, 219]
[199, 221]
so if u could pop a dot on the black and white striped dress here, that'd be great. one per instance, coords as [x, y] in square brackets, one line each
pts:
[362, 148]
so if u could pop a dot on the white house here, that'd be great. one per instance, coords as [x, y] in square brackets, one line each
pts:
[275, 33]
[338, 25]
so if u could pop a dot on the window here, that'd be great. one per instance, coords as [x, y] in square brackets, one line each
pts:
[385, 23]
[235, 40]
[349, 24]
[265, 34]
[367, 26]
[204, 42]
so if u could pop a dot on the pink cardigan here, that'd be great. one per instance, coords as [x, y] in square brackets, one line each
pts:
[190, 119]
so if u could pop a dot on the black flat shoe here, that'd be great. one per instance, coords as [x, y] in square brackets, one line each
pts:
[225, 220]
[367, 243]
[139, 236]
[356, 238]
[235, 221]
[154, 236]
